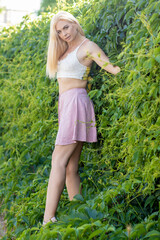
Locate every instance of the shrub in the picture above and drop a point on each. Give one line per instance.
(120, 173)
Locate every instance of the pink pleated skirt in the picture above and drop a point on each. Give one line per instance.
(76, 117)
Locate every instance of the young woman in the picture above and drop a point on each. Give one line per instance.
(70, 56)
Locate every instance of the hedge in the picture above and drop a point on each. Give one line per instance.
(120, 173)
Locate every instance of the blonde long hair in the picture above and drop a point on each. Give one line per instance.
(57, 46)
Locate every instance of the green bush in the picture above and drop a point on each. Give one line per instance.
(120, 174)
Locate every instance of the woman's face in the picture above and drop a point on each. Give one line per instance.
(66, 30)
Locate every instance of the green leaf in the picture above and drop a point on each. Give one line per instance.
(153, 233)
(92, 93)
(92, 213)
(149, 225)
(149, 200)
(157, 58)
(78, 197)
(68, 231)
(84, 227)
(153, 215)
(111, 229)
(129, 15)
(96, 233)
(154, 16)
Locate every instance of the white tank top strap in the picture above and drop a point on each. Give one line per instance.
(81, 44)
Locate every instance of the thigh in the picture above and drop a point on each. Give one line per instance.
(62, 153)
(74, 158)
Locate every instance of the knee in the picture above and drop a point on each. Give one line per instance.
(58, 161)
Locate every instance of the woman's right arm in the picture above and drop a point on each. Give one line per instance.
(95, 53)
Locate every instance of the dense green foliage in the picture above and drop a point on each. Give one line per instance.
(46, 4)
(120, 174)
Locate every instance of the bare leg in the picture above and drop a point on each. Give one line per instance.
(72, 176)
(60, 157)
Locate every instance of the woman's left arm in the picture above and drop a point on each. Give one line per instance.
(96, 54)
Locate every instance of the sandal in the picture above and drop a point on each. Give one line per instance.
(53, 219)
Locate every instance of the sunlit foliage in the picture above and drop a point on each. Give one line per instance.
(120, 174)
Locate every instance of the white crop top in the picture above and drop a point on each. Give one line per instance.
(70, 67)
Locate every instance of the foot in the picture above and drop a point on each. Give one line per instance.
(53, 219)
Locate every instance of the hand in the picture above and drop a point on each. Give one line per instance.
(116, 70)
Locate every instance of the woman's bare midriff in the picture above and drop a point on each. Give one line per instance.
(68, 83)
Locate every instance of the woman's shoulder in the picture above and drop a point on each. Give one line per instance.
(90, 45)
(89, 42)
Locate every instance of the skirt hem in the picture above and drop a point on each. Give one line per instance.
(74, 141)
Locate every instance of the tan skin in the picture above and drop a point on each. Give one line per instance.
(65, 158)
